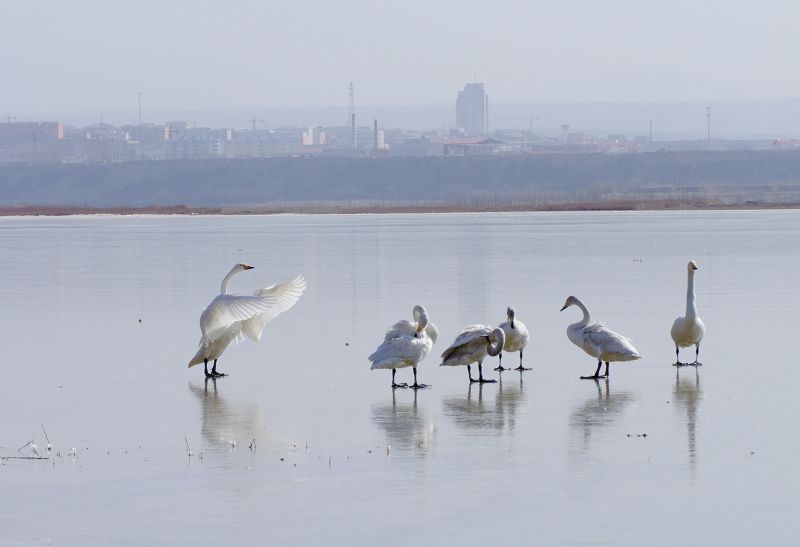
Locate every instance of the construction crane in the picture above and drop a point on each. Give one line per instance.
(252, 120)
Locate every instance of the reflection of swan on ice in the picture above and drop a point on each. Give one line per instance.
(476, 413)
(510, 394)
(406, 426)
(688, 394)
(224, 422)
(600, 411)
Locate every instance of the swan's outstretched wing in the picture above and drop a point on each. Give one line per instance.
(226, 310)
(469, 334)
(278, 298)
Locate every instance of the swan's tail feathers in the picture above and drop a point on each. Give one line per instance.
(198, 358)
(280, 299)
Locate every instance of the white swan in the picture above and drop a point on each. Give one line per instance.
(406, 344)
(229, 317)
(516, 338)
(598, 341)
(688, 330)
(472, 346)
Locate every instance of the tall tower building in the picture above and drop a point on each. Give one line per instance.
(472, 107)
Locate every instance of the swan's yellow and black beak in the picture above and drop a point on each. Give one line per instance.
(564, 307)
(246, 267)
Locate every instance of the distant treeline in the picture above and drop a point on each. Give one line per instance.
(535, 179)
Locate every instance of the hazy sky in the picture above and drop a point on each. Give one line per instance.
(58, 55)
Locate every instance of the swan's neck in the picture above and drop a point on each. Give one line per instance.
(223, 289)
(586, 318)
(691, 309)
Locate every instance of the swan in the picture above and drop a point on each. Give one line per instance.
(516, 338)
(229, 317)
(472, 346)
(688, 330)
(598, 341)
(406, 344)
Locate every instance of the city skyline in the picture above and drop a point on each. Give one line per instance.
(672, 120)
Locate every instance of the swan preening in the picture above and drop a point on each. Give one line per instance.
(406, 344)
(472, 346)
(229, 317)
(689, 329)
(598, 341)
(516, 338)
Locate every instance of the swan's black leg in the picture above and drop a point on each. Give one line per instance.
(214, 372)
(481, 379)
(606, 374)
(677, 362)
(469, 373)
(205, 365)
(520, 367)
(416, 385)
(500, 366)
(596, 373)
(697, 356)
(394, 371)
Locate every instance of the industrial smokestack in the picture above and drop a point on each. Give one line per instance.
(375, 134)
(353, 129)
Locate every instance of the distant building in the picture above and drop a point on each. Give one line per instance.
(469, 147)
(147, 133)
(472, 110)
(14, 134)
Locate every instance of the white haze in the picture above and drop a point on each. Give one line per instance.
(94, 55)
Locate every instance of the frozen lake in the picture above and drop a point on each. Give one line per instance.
(100, 316)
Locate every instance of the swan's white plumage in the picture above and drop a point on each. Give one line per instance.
(598, 340)
(228, 318)
(402, 351)
(406, 343)
(472, 345)
(516, 333)
(283, 297)
(688, 330)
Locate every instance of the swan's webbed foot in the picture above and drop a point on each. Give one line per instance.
(679, 364)
(481, 381)
(521, 368)
(501, 368)
(395, 386)
(419, 386)
(213, 373)
(597, 374)
(695, 364)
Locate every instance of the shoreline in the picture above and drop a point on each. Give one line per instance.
(389, 208)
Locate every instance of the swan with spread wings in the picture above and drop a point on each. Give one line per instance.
(231, 317)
